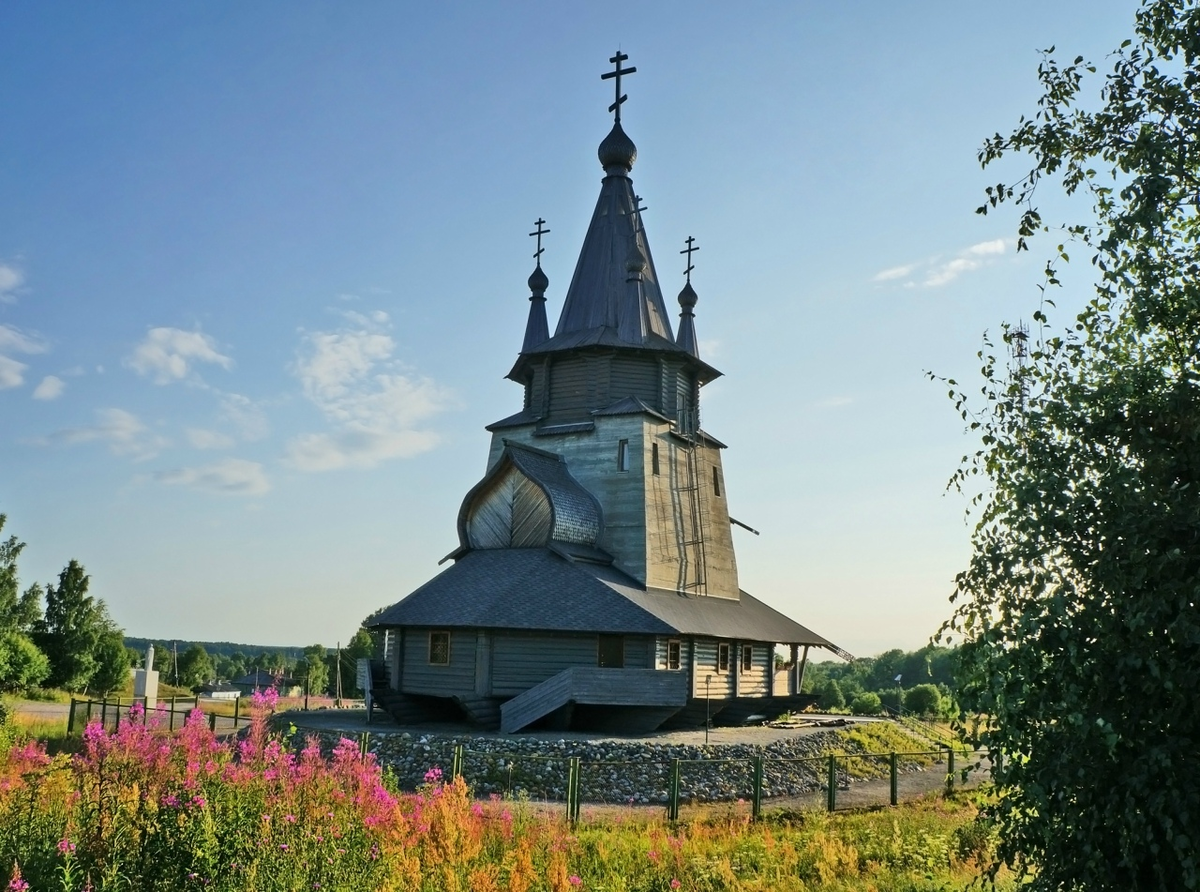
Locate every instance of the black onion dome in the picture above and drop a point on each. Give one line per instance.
(538, 283)
(617, 149)
(687, 297)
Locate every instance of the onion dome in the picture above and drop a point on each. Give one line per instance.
(635, 263)
(617, 150)
(687, 322)
(538, 282)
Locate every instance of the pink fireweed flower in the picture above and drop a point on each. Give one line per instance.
(653, 856)
(675, 884)
(66, 847)
(433, 775)
(574, 880)
(16, 884)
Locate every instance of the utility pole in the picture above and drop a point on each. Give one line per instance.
(338, 701)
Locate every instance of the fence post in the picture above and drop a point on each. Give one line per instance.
(236, 703)
(950, 769)
(756, 798)
(171, 719)
(832, 792)
(456, 766)
(117, 723)
(103, 712)
(573, 768)
(89, 712)
(673, 792)
(71, 718)
(212, 722)
(895, 780)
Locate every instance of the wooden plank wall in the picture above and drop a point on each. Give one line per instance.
(512, 512)
(522, 660)
(706, 664)
(419, 677)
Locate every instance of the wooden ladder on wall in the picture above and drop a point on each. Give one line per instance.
(693, 545)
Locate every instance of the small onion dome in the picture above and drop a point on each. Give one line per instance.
(687, 297)
(635, 263)
(617, 149)
(538, 283)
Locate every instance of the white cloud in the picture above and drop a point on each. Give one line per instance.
(11, 373)
(895, 272)
(13, 340)
(355, 448)
(245, 414)
(168, 354)
(233, 476)
(10, 281)
(206, 439)
(709, 349)
(949, 271)
(935, 271)
(51, 388)
(121, 431)
(375, 407)
(995, 246)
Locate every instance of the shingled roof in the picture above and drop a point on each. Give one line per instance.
(535, 589)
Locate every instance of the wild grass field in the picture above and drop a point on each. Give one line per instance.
(138, 808)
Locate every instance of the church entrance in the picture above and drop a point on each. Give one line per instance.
(611, 652)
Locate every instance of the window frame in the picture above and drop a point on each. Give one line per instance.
(716, 481)
(654, 464)
(622, 455)
(674, 649)
(722, 657)
(747, 661)
(439, 633)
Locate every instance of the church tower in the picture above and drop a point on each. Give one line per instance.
(616, 394)
(594, 584)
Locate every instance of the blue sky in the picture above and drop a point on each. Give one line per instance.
(262, 269)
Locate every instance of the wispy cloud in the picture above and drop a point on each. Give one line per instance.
(170, 354)
(895, 272)
(13, 340)
(231, 476)
(373, 405)
(938, 271)
(10, 280)
(121, 431)
(200, 438)
(51, 388)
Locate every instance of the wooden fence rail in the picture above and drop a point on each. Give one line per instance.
(173, 710)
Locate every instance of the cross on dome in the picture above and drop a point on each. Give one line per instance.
(616, 73)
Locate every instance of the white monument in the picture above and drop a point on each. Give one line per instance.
(145, 681)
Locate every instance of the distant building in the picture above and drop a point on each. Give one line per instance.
(595, 582)
(220, 691)
(261, 680)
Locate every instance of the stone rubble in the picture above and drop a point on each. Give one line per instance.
(612, 771)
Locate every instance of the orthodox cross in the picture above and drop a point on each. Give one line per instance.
(689, 250)
(617, 72)
(539, 233)
(637, 206)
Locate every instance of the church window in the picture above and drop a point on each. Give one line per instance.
(722, 657)
(654, 458)
(747, 658)
(716, 481)
(672, 654)
(623, 455)
(439, 648)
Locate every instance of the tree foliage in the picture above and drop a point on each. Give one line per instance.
(196, 667)
(1078, 608)
(73, 630)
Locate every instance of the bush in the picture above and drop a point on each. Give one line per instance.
(831, 696)
(892, 700)
(866, 704)
(923, 699)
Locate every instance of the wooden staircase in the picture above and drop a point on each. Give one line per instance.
(634, 697)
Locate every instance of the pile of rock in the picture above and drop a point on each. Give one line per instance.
(613, 771)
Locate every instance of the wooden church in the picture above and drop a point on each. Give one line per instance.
(595, 583)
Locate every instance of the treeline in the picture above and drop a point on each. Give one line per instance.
(315, 668)
(919, 681)
(56, 636)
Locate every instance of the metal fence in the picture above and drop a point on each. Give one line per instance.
(171, 711)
